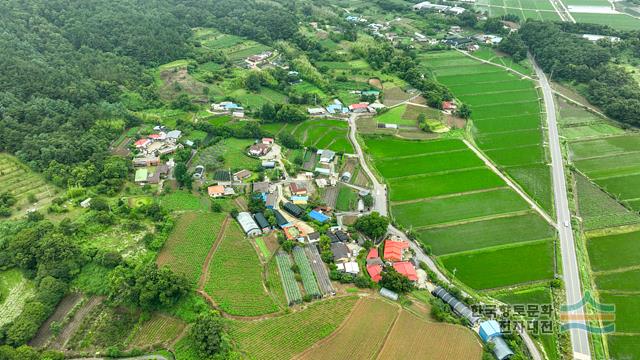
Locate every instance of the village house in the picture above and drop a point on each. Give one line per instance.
(406, 269)
(259, 149)
(341, 252)
(449, 106)
(242, 174)
(297, 189)
(317, 111)
(326, 156)
(254, 61)
(362, 107)
(215, 191)
(336, 107)
(394, 250)
(267, 141)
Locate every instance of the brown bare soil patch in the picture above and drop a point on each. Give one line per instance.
(376, 83)
(361, 336)
(414, 338)
(395, 95)
(178, 80)
(63, 308)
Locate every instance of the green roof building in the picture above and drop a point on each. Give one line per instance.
(141, 175)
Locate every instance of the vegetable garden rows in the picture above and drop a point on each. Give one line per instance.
(308, 279)
(288, 279)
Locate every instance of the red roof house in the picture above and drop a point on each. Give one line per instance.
(373, 253)
(267, 141)
(393, 250)
(375, 271)
(359, 106)
(297, 189)
(155, 136)
(406, 268)
(142, 143)
(448, 105)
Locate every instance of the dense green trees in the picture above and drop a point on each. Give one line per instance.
(210, 335)
(394, 281)
(373, 225)
(568, 57)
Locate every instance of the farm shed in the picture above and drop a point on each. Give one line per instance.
(340, 251)
(501, 350)
(350, 267)
(262, 222)
(489, 329)
(248, 225)
(141, 175)
(326, 156)
(293, 209)
(388, 294)
(458, 307)
(318, 216)
(268, 164)
(280, 219)
(313, 237)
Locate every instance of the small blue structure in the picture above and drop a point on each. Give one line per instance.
(370, 92)
(318, 216)
(232, 106)
(489, 329)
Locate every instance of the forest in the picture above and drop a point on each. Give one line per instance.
(591, 66)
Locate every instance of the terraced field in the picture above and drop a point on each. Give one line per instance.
(615, 261)
(17, 179)
(507, 125)
(463, 211)
(15, 291)
(235, 277)
(321, 134)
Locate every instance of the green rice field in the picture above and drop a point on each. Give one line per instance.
(446, 196)
(611, 252)
(499, 267)
(506, 110)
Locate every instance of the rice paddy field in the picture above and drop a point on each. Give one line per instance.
(612, 163)
(186, 248)
(506, 115)
(614, 256)
(235, 277)
(524, 9)
(321, 134)
(466, 214)
(17, 179)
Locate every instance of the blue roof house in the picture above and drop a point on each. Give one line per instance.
(315, 215)
(489, 329)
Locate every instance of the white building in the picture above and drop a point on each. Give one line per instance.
(248, 225)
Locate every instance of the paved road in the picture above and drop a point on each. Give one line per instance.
(379, 192)
(579, 338)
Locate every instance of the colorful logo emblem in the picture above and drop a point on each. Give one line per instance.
(590, 315)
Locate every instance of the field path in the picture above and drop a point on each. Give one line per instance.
(511, 184)
(204, 273)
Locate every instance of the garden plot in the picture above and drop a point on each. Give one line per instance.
(159, 330)
(319, 270)
(15, 290)
(285, 336)
(324, 134)
(29, 188)
(235, 277)
(188, 245)
(288, 277)
(308, 279)
(604, 147)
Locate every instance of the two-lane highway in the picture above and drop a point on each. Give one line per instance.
(573, 288)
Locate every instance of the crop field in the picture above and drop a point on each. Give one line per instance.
(285, 336)
(598, 209)
(159, 330)
(502, 266)
(414, 338)
(17, 179)
(624, 346)
(461, 209)
(395, 116)
(322, 134)
(227, 154)
(183, 201)
(619, 281)
(308, 279)
(15, 290)
(605, 146)
(362, 336)
(186, 248)
(347, 199)
(289, 282)
(485, 234)
(235, 277)
(506, 116)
